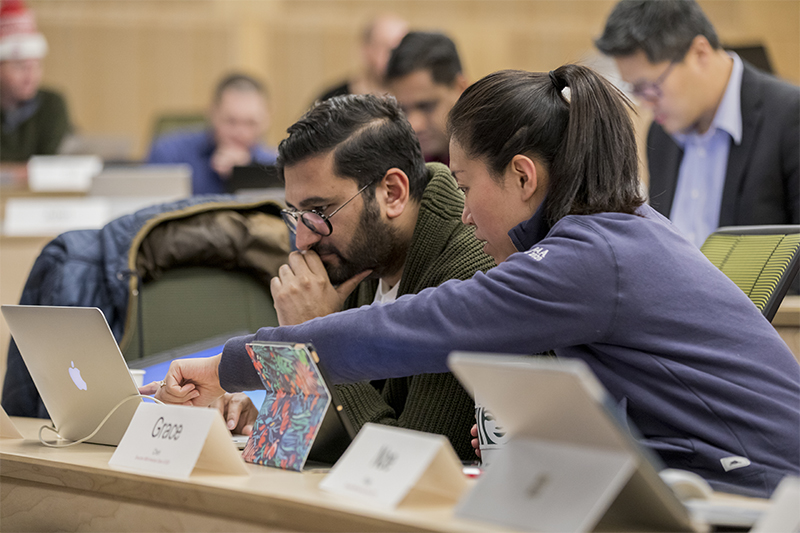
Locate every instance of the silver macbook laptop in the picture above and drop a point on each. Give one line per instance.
(77, 367)
(160, 181)
(547, 404)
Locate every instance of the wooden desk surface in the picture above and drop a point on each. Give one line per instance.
(74, 489)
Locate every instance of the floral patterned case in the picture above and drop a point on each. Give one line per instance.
(295, 405)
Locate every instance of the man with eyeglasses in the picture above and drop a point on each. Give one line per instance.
(372, 222)
(723, 146)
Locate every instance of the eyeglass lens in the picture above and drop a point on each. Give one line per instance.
(310, 219)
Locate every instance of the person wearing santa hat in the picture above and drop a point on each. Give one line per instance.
(34, 121)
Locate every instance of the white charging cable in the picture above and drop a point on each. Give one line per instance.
(54, 444)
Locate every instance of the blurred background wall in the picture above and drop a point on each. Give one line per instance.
(120, 63)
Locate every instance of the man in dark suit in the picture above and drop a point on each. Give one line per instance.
(723, 146)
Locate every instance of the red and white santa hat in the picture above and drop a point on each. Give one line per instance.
(18, 36)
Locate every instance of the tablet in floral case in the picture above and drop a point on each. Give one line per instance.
(295, 405)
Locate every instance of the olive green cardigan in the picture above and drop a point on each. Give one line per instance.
(442, 248)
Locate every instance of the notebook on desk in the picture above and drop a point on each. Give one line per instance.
(77, 367)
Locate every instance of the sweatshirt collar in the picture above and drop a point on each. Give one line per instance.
(531, 231)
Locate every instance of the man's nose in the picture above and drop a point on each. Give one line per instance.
(305, 238)
(417, 121)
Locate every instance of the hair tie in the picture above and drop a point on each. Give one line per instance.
(558, 85)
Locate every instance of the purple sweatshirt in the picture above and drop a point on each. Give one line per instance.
(688, 357)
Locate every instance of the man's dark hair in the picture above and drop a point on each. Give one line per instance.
(586, 144)
(663, 29)
(434, 52)
(239, 82)
(368, 135)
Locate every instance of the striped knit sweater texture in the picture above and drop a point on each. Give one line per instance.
(442, 248)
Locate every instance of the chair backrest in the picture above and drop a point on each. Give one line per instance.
(762, 261)
(190, 304)
(169, 122)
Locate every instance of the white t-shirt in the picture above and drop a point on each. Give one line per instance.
(384, 294)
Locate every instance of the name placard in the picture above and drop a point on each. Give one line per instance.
(174, 440)
(7, 428)
(386, 466)
(52, 216)
(49, 173)
(783, 513)
(547, 486)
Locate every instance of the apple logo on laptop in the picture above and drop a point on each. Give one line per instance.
(75, 374)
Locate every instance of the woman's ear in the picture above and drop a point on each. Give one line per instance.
(394, 192)
(525, 175)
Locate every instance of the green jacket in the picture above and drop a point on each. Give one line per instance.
(41, 134)
(442, 248)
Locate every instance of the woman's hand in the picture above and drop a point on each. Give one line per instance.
(191, 382)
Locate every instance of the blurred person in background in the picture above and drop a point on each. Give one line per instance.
(425, 75)
(34, 120)
(378, 39)
(239, 117)
(724, 145)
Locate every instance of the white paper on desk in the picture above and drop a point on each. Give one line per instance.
(7, 428)
(174, 440)
(52, 173)
(386, 464)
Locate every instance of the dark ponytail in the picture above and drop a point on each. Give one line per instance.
(584, 138)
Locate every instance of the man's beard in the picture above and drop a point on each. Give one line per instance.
(374, 246)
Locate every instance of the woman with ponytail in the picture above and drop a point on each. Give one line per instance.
(548, 166)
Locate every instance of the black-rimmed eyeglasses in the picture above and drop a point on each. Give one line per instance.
(651, 91)
(314, 220)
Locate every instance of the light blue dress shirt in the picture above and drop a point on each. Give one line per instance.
(701, 178)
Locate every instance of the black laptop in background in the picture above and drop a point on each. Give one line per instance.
(253, 179)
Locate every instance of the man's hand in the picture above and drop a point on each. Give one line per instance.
(475, 444)
(302, 290)
(191, 382)
(226, 157)
(238, 411)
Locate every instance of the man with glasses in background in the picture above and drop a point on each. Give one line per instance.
(372, 222)
(723, 146)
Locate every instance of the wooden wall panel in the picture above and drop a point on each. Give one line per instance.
(122, 62)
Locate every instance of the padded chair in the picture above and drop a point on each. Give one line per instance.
(168, 123)
(190, 304)
(762, 261)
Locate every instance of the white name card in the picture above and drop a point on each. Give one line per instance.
(541, 486)
(386, 466)
(53, 216)
(174, 440)
(50, 173)
(7, 428)
(784, 513)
